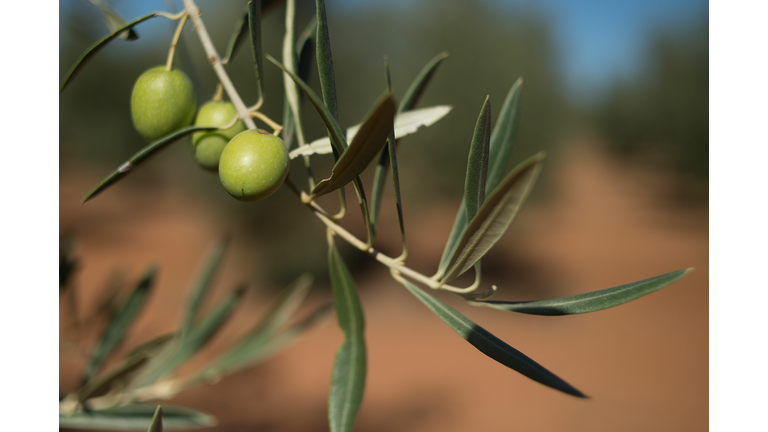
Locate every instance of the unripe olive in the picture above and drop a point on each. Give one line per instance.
(162, 102)
(253, 165)
(209, 145)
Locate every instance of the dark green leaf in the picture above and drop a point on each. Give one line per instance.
(367, 143)
(417, 87)
(153, 346)
(348, 380)
(114, 21)
(325, 61)
(503, 137)
(254, 23)
(90, 52)
(502, 140)
(136, 417)
(489, 344)
(477, 165)
(591, 301)
(325, 115)
(103, 384)
(120, 324)
(495, 217)
(237, 38)
(142, 155)
(157, 421)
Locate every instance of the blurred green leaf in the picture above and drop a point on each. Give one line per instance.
(95, 48)
(122, 372)
(348, 380)
(203, 285)
(325, 115)
(141, 156)
(591, 301)
(245, 351)
(157, 421)
(406, 123)
(152, 346)
(136, 417)
(489, 344)
(367, 143)
(477, 165)
(495, 217)
(114, 21)
(502, 140)
(120, 323)
(237, 38)
(254, 24)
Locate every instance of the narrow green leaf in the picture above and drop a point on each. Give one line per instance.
(203, 285)
(136, 417)
(494, 217)
(325, 115)
(591, 301)
(152, 346)
(277, 315)
(420, 83)
(120, 324)
(489, 344)
(141, 156)
(503, 137)
(114, 21)
(502, 140)
(254, 24)
(477, 165)
(348, 380)
(367, 143)
(157, 421)
(325, 61)
(122, 372)
(406, 123)
(304, 53)
(237, 38)
(95, 48)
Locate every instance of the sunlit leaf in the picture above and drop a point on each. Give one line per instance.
(477, 165)
(95, 48)
(406, 123)
(141, 156)
(367, 143)
(114, 21)
(502, 140)
(136, 418)
(120, 323)
(348, 379)
(489, 344)
(591, 301)
(157, 421)
(494, 217)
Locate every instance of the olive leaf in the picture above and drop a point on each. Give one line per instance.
(237, 37)
(591, 301)
(103, 384)
(304, 53)
(254, 25)
(406, 123)
(489, 344)
(136, 417)
(477, 165)
(494, 217)
(201, 288)
(142, 156)
(500, 150)
(157, 421)
(367, 143)
(348, 379)
(113, 20)
(122, 319)
(95, 48)
(325, 66)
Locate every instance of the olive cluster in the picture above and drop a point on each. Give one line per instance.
(252, 164)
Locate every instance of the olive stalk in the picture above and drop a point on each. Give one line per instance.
(175, 41)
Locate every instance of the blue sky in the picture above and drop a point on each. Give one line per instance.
(598, 41)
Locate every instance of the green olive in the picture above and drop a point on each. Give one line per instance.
(209, 145)
(253, 165)
(162, 102)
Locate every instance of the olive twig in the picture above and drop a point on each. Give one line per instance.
(175, 41)
(271, 123)
(218, 93)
